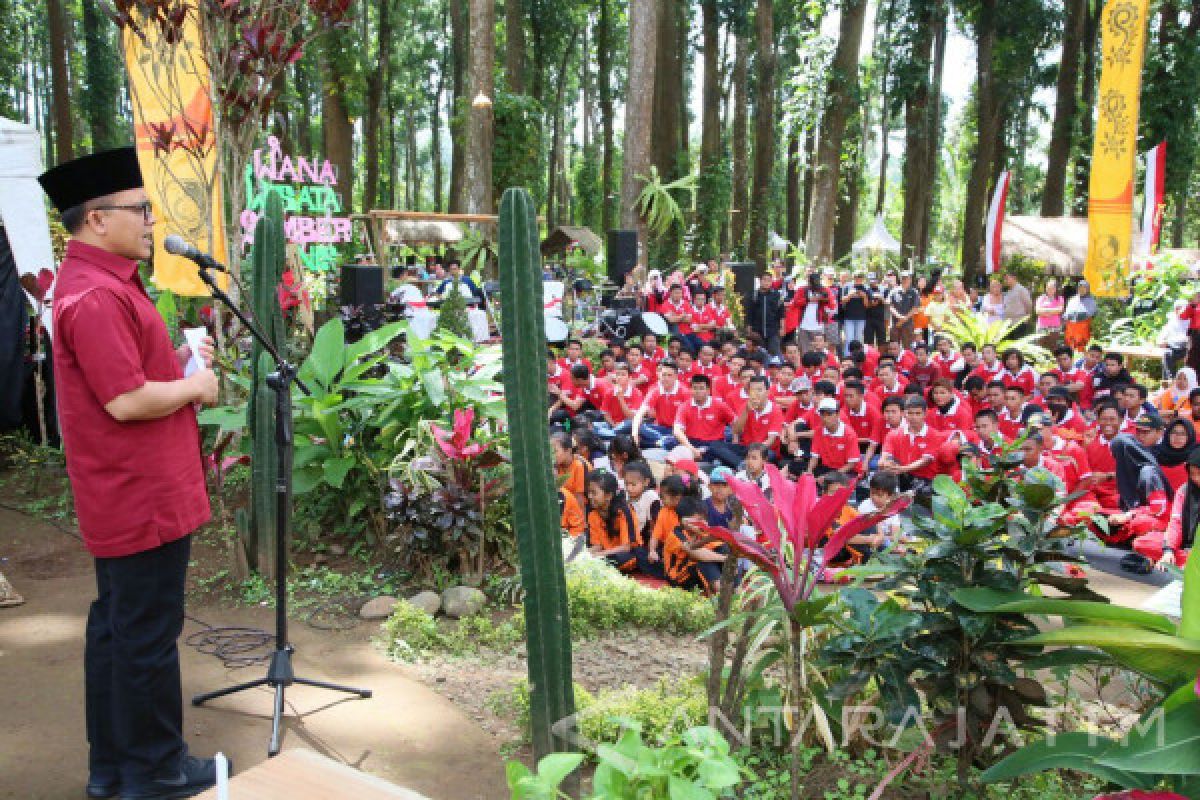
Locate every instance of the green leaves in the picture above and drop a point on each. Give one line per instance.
(1165, 659)
(990, 600)
(328, 355)
(656, 203)
(1078, 751)
(694, 766)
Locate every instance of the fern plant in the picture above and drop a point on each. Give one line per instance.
(656, 203)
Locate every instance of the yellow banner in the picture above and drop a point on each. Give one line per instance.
(172, 112)
(1114, 153)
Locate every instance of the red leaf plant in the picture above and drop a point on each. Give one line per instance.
(787, 544)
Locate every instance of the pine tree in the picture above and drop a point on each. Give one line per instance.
(452, 316)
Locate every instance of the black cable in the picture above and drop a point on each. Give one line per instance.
(235, 646)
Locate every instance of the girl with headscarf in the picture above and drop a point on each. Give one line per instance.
(1173, 546)
(1173, 401)
(1173, 452)
(1077, 317)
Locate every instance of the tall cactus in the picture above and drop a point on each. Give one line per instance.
(535, 507)
(268, 259)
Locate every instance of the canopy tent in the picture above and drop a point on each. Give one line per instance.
(420, 232)
(776, 243)
(878, 239)
(22, 204)
(565, 236)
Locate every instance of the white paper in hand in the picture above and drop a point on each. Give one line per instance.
(194, 338)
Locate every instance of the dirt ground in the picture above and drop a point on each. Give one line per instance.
(406, 733)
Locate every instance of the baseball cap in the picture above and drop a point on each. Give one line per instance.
(720, 475)
(1151, 422)
(827, 404)
(774, 361)
(684, 465)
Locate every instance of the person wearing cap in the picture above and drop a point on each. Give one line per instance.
(835, 443)
(1172, 547)
(132, 445)
(718, 508)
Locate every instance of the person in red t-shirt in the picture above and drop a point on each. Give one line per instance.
(128, 421)
(1098, 446)
(1068, 421)
(989, 367)
(865, 419)
(625, 399)
(1017, 373)
(947, 411)
(642, 371)
(590, 392)
(948, 362)
(735, 394)
(651, 350)
(887, 382)
(707, 364)
(1191, 314)
(661, 404)
(1015, 412)
(574, 356)
(913, 453)
(835, 442)
(1075, 380)
(924, 372)
(703, 421)
(758, 421)
(677, 311)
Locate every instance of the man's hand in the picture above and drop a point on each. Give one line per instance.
(207, 351)
(652, 556)
(1167, 560)
(204, 383)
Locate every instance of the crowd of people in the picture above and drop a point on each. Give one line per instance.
(855, 379)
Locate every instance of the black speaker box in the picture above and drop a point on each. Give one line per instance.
(622, 255)
(362, 285)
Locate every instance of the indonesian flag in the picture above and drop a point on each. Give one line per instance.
(1152, 214)
(995, 224)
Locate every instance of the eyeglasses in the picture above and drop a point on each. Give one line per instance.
(146, 209)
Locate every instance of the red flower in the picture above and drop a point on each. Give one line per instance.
(790, 530)
(458, 446)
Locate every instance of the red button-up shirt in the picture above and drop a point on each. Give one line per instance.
(137, 485)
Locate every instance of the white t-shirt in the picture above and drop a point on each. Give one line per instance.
(891, 528)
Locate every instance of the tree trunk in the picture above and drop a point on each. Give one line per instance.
(639, 109)
(1059, 153)
(1087, 102)
(604, 45)
(304, 121)
(377, 79)
(459, 40)
(885, 109)
(840, 99)
(336, 125)
(669, 114)
(477, 164)
(59, 27)
(103, 79)
(846, 228)
(514, 46)
(708, 228)
(793, 205)
(916, 164)
(810, 158)
(764, 132)
(435, 147)
(741, 144)
(933, 144)
(553, 207)
(987, 125)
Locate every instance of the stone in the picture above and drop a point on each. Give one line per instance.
(429, 602)
(336, 549)
(462, 601)
(379, 607)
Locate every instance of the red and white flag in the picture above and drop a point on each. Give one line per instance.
(1152, 214)
(995, 224)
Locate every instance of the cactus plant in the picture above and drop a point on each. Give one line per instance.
(267, 264)
(535, 506)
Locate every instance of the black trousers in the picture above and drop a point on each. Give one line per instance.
(131, 665)
(875, 332)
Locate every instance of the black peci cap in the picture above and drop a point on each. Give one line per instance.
(75, 182)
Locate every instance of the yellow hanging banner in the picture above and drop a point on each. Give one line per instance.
(1114, 153)
(176, 142)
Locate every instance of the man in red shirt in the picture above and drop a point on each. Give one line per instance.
(642, 371)
(835, 443)
(1074, 379)
(651, 350)
(923, 372)
(589, 391)
(661, 403)
(865, 419)
(702, 422)
(128, 418)
(990, 367)
(1068, 421)
(624, 401)
(1100, 457)
(948, 362)
(759, 421)
(887, 382)
(913, 453)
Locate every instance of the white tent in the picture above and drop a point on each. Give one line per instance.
(22, 203)
(776, 243)
(878, 239)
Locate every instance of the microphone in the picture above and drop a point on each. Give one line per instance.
(177, 245)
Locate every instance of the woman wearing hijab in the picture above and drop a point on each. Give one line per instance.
(1173, 401)
(1173, 452)
(1077, 317)
(1173, 546)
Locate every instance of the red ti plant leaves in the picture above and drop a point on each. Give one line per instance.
(786, 542)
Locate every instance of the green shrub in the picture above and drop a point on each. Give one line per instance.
(411, 633)
(664, 710)
(602, 599)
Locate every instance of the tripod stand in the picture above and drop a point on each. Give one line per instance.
(280, 674)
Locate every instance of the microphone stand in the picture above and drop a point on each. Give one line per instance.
(280, 674)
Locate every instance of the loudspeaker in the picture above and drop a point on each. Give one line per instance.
(622, 255)
(745, 278)
(362, 285)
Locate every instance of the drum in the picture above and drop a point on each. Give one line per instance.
(557, 331)
(655, 323)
